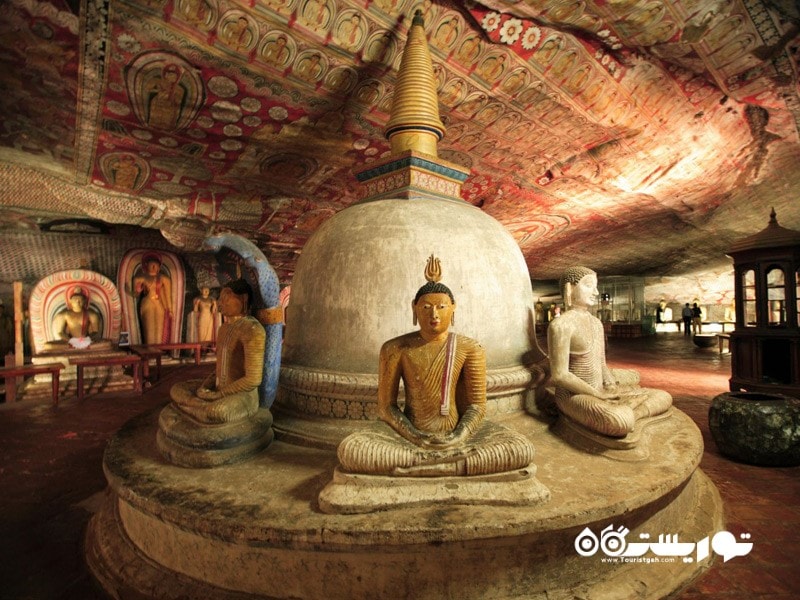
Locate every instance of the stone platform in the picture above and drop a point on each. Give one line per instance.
(255, 529)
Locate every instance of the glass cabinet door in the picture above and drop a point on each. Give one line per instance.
(749, 293)
(776, 297)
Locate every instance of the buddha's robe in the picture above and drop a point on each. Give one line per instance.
(614, 418)
(240, 366)
(445, 386)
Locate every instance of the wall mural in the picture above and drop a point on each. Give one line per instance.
(227, 115)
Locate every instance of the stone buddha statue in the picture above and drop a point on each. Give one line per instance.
(218, 420)
(439, 430)
(77, 325)
(601, 400)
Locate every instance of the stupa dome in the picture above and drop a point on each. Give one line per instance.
(359, 272)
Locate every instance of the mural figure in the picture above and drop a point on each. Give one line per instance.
(493, 68)
(378, 49)
(514, 82)
(316, 14)
(446, 34)
(350, 32)
(204, 310)
(547, 51)
(309, 67)
(276, 52)
(469, 49)
(125, 172)
(441, 428)
(590, 394)
(237, 33)
(197, 12)
(165, 98)
(153, 289)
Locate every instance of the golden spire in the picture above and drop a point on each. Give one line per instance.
(415, 123)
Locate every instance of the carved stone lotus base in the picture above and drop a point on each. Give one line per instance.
(632, 447)
(351, 493)
(254, 529)
(187, 443)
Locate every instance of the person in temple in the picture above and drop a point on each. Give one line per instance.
(440, 430)
(587, 391)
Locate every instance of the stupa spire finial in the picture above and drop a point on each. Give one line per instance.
(415, 123)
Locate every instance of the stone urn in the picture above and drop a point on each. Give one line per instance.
(704, 340)
(757, 428)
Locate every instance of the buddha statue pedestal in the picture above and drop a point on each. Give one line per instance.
(187, 443)
(254, 529)
(437, 479)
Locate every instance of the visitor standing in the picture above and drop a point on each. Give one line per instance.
(687, 314)
(697, 319)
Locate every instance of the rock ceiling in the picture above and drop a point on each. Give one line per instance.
(633, 136)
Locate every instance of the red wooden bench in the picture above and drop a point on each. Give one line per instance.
(195, 346)
(105, 361)
(53, 368)
(148, 353)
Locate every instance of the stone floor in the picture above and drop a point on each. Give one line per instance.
(51, 481)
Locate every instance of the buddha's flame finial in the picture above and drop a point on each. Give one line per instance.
(415, 122)
(433, 269)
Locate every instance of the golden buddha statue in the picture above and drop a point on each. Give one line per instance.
(603, 401)
(78, 325)
(440, 430)
(240, 365)
(218, 420)
(154, 290)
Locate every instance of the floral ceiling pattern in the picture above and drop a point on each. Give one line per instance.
(633, 136)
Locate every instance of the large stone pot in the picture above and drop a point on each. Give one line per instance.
(757, 428)
(704, 340)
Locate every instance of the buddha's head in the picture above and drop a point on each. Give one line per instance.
(77, 299)
(434, 304)
(204, 292)
(578, 287)
(151, 263)
(235, 298)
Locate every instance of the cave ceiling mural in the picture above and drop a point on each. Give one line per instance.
(633, 136)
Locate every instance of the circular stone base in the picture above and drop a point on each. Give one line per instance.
(254, 529)
(757, 428)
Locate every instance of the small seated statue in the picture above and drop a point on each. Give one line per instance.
(77, 325)
(587, 392)
(440, 430)
(218, 420)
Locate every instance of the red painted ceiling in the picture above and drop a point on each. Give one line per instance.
(632, 136)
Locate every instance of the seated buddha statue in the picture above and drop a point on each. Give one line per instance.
(603, 401)
(218, 420)
(77, 325)
(440, 429)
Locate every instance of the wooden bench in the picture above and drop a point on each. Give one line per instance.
(106, 361)
(148, 353)
(53, 368)
(195, 346)
(723, 339)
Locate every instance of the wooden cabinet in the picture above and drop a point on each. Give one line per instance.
(765, 346)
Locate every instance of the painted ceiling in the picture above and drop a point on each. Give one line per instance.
(632, 136)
